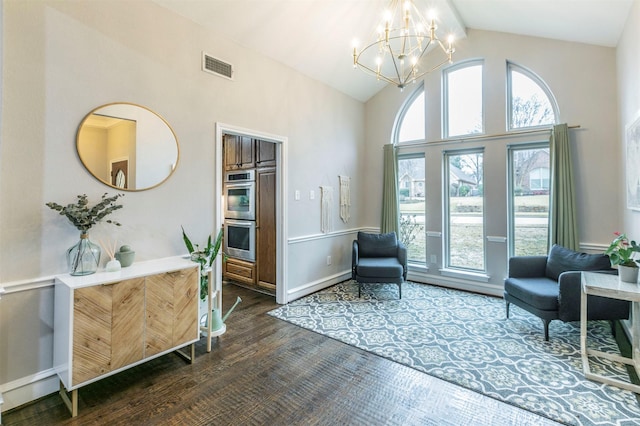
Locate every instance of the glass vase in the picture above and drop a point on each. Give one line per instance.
(83, 257)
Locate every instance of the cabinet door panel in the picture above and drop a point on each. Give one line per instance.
(231, 153)
(266, 230)
(247, 157)
(127, 338)
(185, 294)
(159, 312)
(91, 333)
(265, 154)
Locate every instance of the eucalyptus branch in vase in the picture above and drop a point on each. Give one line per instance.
(84, 257)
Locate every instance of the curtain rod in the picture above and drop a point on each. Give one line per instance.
(480, 137)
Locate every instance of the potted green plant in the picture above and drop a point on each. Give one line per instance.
(620, 253)
(205, 257)
(84, 256)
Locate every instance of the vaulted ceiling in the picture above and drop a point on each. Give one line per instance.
(315, 36)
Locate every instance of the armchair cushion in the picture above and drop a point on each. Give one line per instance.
(380, 267)
(377, 245)
(540, 292)
(562, 259)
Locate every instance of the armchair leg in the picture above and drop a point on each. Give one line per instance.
(507, 307)
(399, 291)
(359, 289)
(546, 329)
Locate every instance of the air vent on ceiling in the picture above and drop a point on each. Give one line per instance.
(216, 66)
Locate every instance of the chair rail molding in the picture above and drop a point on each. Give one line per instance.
(332, 234)
(26, 285)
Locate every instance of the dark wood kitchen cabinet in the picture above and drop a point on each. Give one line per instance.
(266, 229)
(239, 152)
(265, 154)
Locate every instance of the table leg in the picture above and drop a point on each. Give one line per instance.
(635, 334)
(583, 332)
(72, 404)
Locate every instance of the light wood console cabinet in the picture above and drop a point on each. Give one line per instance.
(110, 321)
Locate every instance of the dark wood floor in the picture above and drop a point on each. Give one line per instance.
(265, 371)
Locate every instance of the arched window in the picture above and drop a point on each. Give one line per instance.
(530, 102)
(410, 124)
(462, 99)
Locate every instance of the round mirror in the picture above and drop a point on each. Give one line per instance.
(127, 146)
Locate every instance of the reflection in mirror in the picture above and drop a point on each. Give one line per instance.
(127, 146)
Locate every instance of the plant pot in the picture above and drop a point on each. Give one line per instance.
(628, 274)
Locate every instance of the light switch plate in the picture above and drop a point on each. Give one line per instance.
(312, 194)
(296, 195)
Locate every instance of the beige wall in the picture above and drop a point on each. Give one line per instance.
(628, 61)
(84, 54)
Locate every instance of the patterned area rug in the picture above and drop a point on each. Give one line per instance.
(465, 339)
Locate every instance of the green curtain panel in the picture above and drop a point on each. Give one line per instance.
(563, 228)
(390, 208)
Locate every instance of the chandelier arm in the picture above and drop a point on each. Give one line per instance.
(395, 66)
(413, 66)
(374, 72)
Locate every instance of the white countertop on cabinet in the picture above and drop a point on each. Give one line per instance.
(137, 269)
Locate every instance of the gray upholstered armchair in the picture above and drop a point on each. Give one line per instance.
(549, 287)
(378, 258)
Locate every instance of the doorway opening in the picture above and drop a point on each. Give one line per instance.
(247, 158)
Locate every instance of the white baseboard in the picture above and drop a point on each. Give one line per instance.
(27, 389)
(314, 286)
(456, 283)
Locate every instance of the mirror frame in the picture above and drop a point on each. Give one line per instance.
(93, 111)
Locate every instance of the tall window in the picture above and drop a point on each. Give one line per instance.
(465, 210)
(411, 125)
(529, 200)
(462, 100)
(411, 175)
(530, 102)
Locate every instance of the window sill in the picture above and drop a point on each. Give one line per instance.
(467, 275)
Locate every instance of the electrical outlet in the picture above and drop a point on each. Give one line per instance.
(434, 259)
(328, 260)
(296, 195)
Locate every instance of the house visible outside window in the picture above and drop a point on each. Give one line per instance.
(529, 199)
(464, 216)
(539, 179)
(462, 100)
(530, 102)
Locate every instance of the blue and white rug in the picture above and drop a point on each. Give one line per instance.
(464, 338)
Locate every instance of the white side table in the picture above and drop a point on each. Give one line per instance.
(610, 286)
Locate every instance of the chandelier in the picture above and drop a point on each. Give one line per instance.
(406, 46)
